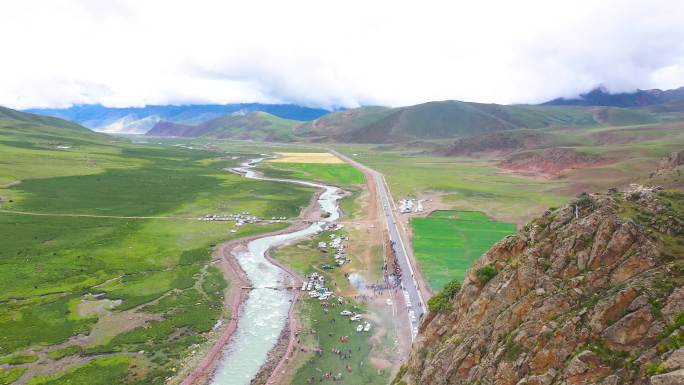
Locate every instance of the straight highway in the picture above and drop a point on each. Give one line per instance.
(415, 304)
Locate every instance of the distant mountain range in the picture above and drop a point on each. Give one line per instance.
(375, 124)
(600, 96)
(255, 125)
(140, 120)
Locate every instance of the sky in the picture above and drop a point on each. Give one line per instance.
(326, 53)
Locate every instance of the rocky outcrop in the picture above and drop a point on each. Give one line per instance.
(669, 163)
(590, 293)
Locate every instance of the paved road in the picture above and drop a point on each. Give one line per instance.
(414, 299)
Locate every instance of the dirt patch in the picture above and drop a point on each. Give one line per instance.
(117, 323)
(496, 143)
(100, 307)
(551, 162)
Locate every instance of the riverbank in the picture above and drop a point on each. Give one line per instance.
(226, 258)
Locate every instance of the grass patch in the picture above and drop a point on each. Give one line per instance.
(65, 352)
(18, 359)
(100, 371)
(8, 376)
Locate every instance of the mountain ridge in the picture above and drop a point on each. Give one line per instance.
(256, 125)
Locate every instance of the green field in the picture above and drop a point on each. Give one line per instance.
(446, 243)
(158, 292)
(339, 174)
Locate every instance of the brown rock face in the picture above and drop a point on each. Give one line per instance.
(591, 293)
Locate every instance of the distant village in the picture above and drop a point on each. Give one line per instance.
(240, 219)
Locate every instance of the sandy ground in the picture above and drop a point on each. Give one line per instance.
(306, 157)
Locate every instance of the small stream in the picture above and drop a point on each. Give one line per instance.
(264, 315)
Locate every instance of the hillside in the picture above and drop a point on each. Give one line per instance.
(250, 126)
(451, 119)
(8, 114)
(141, 119)
(590, 293)
(21, 129)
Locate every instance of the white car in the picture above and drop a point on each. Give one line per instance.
(359, 328)
(345, 313)
(356, 317)
(367, 327)
(389, 302)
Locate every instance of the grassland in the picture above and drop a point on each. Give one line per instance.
(467, 183)
(158, 294)
(446, 243)
(461, 183)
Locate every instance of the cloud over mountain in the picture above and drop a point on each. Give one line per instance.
(132, 53)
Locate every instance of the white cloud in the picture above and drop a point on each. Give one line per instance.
(324, 53)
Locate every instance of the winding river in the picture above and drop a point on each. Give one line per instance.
(264, 314)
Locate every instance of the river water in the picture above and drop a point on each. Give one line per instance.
(264, 315)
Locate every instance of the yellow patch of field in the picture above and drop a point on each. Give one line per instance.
(306, 157)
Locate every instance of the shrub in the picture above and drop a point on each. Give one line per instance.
(584, 200)
(486, 273)
(442, 300)
(656, 368)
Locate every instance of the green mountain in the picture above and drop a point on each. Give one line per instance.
(23, 129)
(9, 115)
(450, 119)
(250, 126)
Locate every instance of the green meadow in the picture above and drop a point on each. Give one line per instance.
(446, 243)
(98, 233)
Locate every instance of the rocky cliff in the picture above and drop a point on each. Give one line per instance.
(590, 293)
